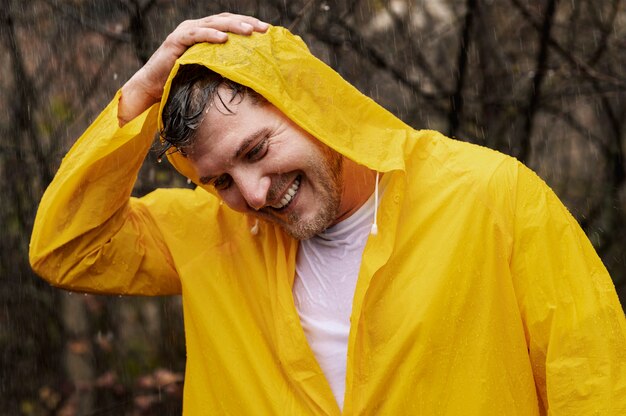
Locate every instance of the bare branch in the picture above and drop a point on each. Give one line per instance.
(402, 26)
(606, 31)
(87, 23)
(535, 90)
(362, 46)
(456, 98)
(574, 61)
(305, 11)
(25, 103)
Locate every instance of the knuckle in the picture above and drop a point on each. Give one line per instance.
(169, 41)
(182, 26)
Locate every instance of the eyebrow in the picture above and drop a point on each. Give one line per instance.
(242, 148)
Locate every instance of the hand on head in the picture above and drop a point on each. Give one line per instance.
(145, 87)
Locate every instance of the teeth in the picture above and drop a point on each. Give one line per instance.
(291, 192)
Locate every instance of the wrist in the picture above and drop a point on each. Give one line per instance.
(134, 100)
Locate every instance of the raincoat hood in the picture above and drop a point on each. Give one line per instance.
(279, 66)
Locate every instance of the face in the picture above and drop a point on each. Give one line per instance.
(261, 163)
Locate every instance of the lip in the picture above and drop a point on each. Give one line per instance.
(291, 203)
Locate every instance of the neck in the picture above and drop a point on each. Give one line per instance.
(358, 185)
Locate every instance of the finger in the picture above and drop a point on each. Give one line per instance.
(248, 19)
(256, 24)
(202, 34)
(234, 23)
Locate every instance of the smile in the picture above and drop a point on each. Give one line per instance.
(289, 195)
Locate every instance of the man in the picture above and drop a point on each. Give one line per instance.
(392, 271)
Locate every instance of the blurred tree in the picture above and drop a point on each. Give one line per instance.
(543, 80)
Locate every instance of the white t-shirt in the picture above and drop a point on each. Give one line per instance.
(327, 268)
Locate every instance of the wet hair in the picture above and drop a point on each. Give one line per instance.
(193, 88)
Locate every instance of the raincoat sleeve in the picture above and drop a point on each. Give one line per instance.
(89, 234)
(574, 324)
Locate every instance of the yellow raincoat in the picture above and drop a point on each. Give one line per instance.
(480, 295)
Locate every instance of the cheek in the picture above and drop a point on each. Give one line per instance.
(233, 198)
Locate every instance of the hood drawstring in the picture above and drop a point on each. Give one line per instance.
(255, 228)
(374, 230)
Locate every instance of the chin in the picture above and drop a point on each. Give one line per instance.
(303, 224)
(302, 233)
(297, 227)
(303, 229)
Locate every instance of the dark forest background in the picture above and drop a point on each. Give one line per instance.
(542, 80)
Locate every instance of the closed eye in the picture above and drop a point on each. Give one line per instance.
(222, 182)
(258, 151)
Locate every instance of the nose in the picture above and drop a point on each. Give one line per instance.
(253, 188)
